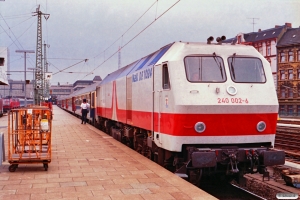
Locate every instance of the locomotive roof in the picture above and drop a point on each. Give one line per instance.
(153, 58)
(144, 62)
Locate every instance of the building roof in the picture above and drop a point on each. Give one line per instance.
(97, 78)
(264, 35)
(291, 37)
(261, 34)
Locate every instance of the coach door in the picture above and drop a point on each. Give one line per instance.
(129, 100)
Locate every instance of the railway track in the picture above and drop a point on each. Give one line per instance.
(288, 139)
(289, 121)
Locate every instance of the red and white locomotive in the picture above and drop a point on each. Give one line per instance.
(195, 107)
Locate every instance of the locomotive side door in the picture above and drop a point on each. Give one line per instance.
(157, 101)
(129, 100)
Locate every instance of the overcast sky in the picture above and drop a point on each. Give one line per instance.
(94, 29)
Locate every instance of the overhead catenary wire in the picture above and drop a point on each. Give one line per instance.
(17, 24)
(70, 66)
(11, 32)
(15, 16)
(13, 41)
(133, 38)
(127, 29)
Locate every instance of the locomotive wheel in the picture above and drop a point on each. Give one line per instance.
(195, 176)
(149, 154)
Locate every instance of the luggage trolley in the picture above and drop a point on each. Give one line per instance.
(29, 136)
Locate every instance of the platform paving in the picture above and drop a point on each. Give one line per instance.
(89, 164)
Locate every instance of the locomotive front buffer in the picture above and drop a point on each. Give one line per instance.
(234, 159)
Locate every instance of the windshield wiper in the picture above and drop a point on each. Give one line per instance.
(218, 63)
(231, 66)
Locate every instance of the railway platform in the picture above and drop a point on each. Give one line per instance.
(89, 164)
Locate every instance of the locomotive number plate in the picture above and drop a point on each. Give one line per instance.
(232, 100)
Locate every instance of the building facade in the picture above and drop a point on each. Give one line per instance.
(60, 91)
(288, 88)
(16, 88)
(4, 65)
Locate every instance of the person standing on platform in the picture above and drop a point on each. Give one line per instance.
(84, 111)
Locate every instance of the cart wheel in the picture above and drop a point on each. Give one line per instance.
(12, 168)
(46, 167)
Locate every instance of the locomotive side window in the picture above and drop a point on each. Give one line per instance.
(246, 70)
(1, 61)
(166, 80)
(204, 69)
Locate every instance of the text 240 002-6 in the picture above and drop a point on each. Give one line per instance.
(232, 100)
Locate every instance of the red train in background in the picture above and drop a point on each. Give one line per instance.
(10, 103)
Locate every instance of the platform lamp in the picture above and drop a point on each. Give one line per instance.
(25, 51)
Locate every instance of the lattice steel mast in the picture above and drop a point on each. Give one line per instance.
(39, 71)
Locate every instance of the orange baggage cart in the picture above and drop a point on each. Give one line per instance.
(29, 136)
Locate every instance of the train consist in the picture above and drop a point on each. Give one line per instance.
(194, 108)
(10, 103)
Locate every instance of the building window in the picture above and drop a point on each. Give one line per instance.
(290, 74)
(239, 39)
(282, 110)
(283, 93)
(282, 57)
(260, 50)
(268, 50)
(290, 109)
(282, 75)
(291, 56)
(298, 110)
(290, 90)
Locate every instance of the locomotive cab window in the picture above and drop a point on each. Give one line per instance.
(246, 70)
(166, 80)
(204, 69)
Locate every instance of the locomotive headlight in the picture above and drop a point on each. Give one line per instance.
(200, 127)
(261, 126)
(231, 90)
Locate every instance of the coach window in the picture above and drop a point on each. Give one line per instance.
(166, 80)
(204, 69)
(246, 70)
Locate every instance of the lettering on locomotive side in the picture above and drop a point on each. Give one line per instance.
(232, 100)
(139, 76)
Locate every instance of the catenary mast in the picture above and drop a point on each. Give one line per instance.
(39, 71)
